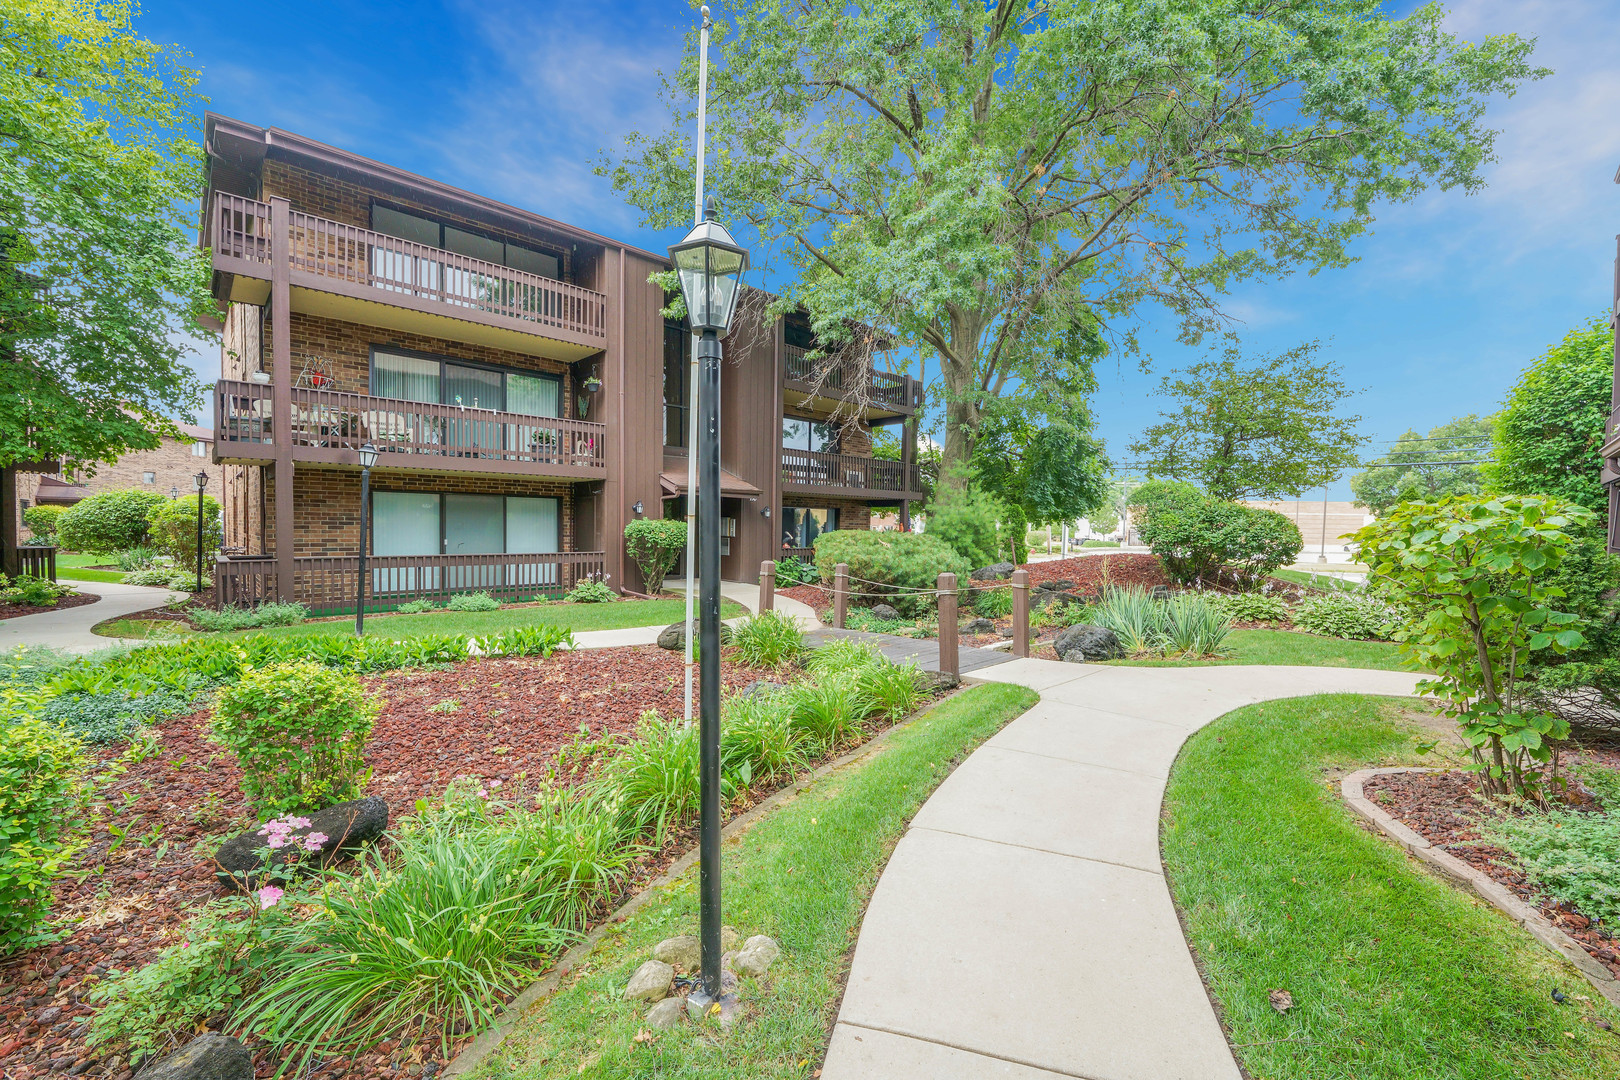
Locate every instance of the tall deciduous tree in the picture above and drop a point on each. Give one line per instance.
(98, 273)
(1425, 468)
(951, 172)
(1551, 425)
(1257, 430)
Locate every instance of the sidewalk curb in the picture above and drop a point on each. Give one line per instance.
(1481, 883)
(489, 1040)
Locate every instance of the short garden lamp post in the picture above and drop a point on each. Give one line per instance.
(710, 266)
(368, 458)
(201, 480)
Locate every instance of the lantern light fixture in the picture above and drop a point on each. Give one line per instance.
(711, 265)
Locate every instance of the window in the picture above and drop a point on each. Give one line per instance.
(677, 384)
(801, 525)
(448, 382)
(148, 477)
(199, 449)
(429, 233)
(415, 523)
(811, 436)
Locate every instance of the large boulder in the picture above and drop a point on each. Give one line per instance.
(673, 636)
(993, 572)
(1082, 642)
(979, 626)
(344, 827)
(885, 612)
(1055, 586)
(207, 1057)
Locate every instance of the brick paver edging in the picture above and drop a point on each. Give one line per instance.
(1481, 883)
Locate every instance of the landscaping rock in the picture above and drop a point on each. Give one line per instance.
(993, 572)
(666, 1014)
(979, 626)
(1082, 642)
(1055, 586)
(684, 952)
(651, 982)
(207, 1057)
(672, 637)
(346, 826)
(941, 680)
(885, 612)
(756, 956)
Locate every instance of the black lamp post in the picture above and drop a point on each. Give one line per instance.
(201, 480)
(368, 458)
(710, 265)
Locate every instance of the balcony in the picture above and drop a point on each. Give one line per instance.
(357, 275)
(329, 426)
(848, 476)
(886, 393)
(1610, 451)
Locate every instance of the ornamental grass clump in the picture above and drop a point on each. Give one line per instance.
(758, 740)
(652, 782)
(299, 734)
(1187, 625)
(769, 639)
(827, 711)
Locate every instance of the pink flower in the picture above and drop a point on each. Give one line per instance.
(279, 840)
(268, 897)
(314, 840)
(483, 794)
(494, 783)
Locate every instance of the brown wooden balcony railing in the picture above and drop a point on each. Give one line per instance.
(332, 421)
(884, 387)
(327, 585)
(240, 229)
(808, 469)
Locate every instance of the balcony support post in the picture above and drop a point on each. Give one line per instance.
(281, 390)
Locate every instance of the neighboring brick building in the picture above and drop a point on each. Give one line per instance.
(167, 470)
(526, 394)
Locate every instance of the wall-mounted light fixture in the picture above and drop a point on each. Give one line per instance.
(766, 510)
(636, 509)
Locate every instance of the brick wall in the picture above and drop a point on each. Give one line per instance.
(343, 199)
(851, 514)
(326, 504)
(172, 466)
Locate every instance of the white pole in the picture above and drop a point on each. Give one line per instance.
(692, 366)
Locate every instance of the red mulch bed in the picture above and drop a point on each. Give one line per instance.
(12, 611)
(511, 717)
(1445, 809)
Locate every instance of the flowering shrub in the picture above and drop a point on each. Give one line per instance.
(299, 733)
(1345, 615)
(591, 591)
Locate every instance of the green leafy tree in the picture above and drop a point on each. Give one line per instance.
(98, 261)
(1478, 578)
(108, 522)
(1419, 469)
(654, 544)
(1551, 425)
(1257, 430)
(173, 524)
(951, 174)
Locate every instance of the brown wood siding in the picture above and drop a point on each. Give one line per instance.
(639, 434)
(751, 433)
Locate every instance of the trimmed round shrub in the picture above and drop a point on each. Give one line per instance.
(41, 520)
(1345, 615)
(108, 522)
(900, 569)
(299, 733)
(1195, 536)
(654, 544)
(174, 529)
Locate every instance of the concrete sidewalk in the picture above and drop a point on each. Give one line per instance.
(1023, 927)
(68, 629)
(741, 592)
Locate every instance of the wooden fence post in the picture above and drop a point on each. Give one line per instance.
(1020, 627)
(949, 662)
(767, 585)
(840, 594)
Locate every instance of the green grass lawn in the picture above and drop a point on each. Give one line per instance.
(577, 617)
(801, 875)
(1291, 647)
(1322, 582)
(1395, 974)
(71, 567)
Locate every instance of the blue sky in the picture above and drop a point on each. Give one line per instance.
(1451, 298)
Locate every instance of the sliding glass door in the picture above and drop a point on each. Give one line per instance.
(533, 526)
(411, 523)
(405, 523)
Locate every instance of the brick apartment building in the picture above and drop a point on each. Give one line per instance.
(167, 470)
(516, 373)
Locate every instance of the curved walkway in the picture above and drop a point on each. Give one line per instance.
(68, 629)
(1023, 928)
(743, 593)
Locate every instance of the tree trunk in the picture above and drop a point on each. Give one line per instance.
(959, 370)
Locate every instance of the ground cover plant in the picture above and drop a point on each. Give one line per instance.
(1346, 615)
(802, 875)
(231, 618)
(508, 726)
(1394, 973)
